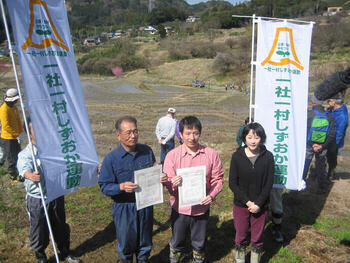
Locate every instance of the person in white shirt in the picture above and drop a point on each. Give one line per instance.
(165, 132)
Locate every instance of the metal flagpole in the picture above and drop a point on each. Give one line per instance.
(253, 62)
(275, 18)
(26, 125)
(252, 66)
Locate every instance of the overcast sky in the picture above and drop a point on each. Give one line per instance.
(191, 2)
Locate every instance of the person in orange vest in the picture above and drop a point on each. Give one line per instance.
(11, 128)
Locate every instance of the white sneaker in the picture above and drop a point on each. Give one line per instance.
(71, 259)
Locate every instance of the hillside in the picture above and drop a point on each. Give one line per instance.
(84, 13)
(110, 12)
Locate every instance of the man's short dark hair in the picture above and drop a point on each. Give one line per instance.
(125, 118)
(190, 122)
(257, 129)
(246, 121)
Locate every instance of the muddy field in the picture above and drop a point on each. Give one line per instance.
(221, 113)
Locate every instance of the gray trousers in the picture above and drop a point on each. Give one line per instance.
(320, 165)
(276, 206)
(198, 228)
(38, 229)
(11, 150)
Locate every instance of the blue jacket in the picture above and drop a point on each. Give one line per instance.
(341, 121)
(119, 166)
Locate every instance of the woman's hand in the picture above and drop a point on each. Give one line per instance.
(254, 208)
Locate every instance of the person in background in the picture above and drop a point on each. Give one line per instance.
(11, 128)
(165, 132)
(341, 122)
(178, 135)
(38, 229)
(276, 208)
(251, 179)
(240, 131)
(320, 133)
(193, 218)
(133, 227)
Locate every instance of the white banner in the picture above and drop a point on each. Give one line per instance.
(53, 95)
(281, 96)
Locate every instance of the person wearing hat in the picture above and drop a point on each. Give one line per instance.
(11, 128)
(341, 121)
(320, 133)
(165, 132)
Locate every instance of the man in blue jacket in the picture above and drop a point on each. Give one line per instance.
(341, 122)
(133, 227)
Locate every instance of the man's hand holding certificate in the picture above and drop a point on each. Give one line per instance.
(192, 187)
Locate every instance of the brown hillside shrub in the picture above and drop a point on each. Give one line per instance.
(320, 72)
(230, 42)
(226, 62)
(202, 50)
(100, 66)
(223, 62)
(177, 53)
(328, 37)
(103, 66)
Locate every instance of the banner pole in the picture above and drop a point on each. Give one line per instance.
(252, 64)
(277, 19)
(26, 125)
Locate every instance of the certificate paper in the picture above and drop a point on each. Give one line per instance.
(150, 191)
(193, 186)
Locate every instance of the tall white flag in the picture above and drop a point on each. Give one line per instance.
(281, 96)
(54, 96)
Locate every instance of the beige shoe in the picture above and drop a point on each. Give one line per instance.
(240, 255)
(255, 255)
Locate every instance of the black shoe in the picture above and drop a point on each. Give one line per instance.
(277, 236)
(13, 174)
(321, 191)
(14, 177)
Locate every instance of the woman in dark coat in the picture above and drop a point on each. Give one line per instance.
(251, 179)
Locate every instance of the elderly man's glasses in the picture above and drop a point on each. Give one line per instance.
(129, 132)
